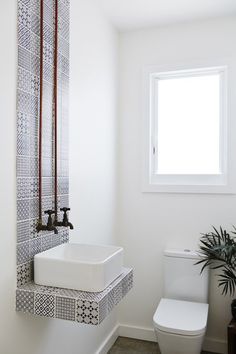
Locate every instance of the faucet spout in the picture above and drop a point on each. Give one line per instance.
(70, 226)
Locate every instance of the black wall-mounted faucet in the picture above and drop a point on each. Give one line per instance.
(65, 218)
(65, 222)
(50, 225)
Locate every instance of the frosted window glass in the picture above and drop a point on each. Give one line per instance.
(188, 125)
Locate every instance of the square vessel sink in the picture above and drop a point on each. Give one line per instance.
(78, 266)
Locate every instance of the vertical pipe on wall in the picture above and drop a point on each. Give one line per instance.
(55, 106)
(41, 111)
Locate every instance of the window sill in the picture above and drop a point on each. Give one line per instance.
(187, 189)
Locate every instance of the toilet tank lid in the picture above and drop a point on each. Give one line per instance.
(181, 253)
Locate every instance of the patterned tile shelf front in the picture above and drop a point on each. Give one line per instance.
(80, 306)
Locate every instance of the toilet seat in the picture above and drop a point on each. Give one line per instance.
(181, 317)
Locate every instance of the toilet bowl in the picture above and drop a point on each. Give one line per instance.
(180, 326)
(180, 319)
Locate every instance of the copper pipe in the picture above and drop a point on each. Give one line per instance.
(55, 107)
(41, 109)
(50, 226)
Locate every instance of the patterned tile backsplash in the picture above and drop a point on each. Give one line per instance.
(29, 242)
(82, 307)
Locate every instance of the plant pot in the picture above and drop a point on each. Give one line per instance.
(233, 309)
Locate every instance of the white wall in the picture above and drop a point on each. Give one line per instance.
(91, 34)
(150, 222)
(93, 95)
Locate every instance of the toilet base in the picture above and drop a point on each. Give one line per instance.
(170, 343)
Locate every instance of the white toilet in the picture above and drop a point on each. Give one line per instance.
(181, 317)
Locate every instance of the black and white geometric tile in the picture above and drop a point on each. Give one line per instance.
(35, 247)
(65, 308)
(34, 167)
(48, 73)
(33, 232)
(24, 13)
(64, 9)
(35, 43)
(44, 305)
(23, 144)
(25, 301)
(23, 58)
(34, 207)
(35, 85)
(34, 104)
(82, 307)
(63, 185)
(23, 231)
(64, 29)
(23, 79)
(64, 236)
(23, 166)
(56, 240)
(48, 89)
(47, 167)
(23, 254)
(23, 188)
(23, 36)
(49, 3)
(87, 312)
(23, 209)
(48, 53)
(48, 33)
(35, 24)
(23, 102)
(64, 201)
(34, 187)
(35, 4)
(47, 183)
(24, 273)
(23, 123)
(35, 64)
(48, 15)
(46, 242)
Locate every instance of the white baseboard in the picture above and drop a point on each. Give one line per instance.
(109, 341)
(215, 345)
(137, 332)
(210, 344)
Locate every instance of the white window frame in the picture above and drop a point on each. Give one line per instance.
(152, 182)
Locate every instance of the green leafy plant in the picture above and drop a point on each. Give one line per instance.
(218, 251)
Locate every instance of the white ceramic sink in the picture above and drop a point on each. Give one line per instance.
(78, 266)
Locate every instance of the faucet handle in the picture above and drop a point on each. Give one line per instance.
(49, 212)
(65, 209)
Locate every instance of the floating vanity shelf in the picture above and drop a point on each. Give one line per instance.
(79, 306)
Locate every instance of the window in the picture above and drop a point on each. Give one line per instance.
(187, 127)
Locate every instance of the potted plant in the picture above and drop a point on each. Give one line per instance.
(218, 251)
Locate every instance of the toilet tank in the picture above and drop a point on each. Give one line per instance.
(182, 278)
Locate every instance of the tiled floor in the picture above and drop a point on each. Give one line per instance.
(134, 346)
